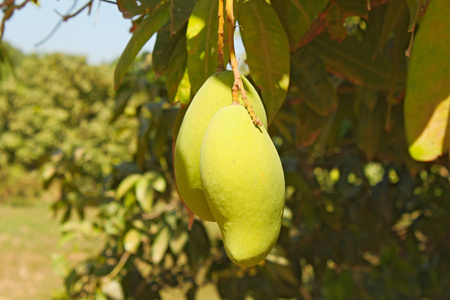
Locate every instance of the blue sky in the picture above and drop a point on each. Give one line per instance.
(101, 36)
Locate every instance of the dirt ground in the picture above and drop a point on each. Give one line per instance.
(30, 255)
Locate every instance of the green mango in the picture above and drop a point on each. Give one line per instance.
(244, 184)
(215, 93)
(427, 99)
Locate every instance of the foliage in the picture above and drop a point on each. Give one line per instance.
(362, 220)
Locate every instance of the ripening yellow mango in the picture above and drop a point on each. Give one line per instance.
(215, 93)
(244, 184)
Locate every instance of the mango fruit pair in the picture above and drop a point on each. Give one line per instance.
(228, 170)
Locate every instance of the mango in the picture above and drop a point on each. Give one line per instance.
(244, 184)
(215, 93)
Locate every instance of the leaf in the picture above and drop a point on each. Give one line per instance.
(427, 100)
(113, 290)
(127, 184)
(144, 194)
(296, 17)
(370, 126)
(180, 10)
(176, 69)
(310, 125)
(160, 245)
(309, 75)
(353, 60)
(123, 95)
(335, 21)
(178, 240)
(151, 24)
(267, 48)
(391, 18)
(184, 89)
(131, 8)
(132, 240)
(158, 181)
(165, 45)
(201, 42)
(353, 8)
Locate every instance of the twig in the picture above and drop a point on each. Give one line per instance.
(87, 5)
(238, 85)
(220, 65)
(123, 260)
(7, 13)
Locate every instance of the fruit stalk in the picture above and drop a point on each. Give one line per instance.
(238, 86)
(220, 66)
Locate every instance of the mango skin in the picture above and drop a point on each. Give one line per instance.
(244, 184)
(214, 94)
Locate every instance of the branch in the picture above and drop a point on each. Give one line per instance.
(220, 65)
(238, 86)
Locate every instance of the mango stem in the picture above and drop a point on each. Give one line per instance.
(238, 86)
(220, 44)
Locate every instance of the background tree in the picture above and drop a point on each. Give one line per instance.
(363, 220)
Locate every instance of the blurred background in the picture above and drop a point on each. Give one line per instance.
(89, 208)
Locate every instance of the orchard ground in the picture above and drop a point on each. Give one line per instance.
(31, 254)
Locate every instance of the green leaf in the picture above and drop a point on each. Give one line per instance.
(132, 240)
(184, 89)
(144, 194)
(165, 45)
(355, 61)
(296, 17)
(309, 75)
(127, 184)
(427, 100)
(151, 24)
(176, 69)
(267, 48)
(180, 10)
(201, 42)
(160, 245)
(131, 8)
(158, 181)
(178, 240)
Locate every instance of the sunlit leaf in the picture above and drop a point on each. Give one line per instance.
(160, 244)
(178, 240)
(127, 184)
(202, 42)
(113, 290)
(176, 69)
(427, 100)
(151, 24)
(308, 73)
(132, 240)
(268, 52)
(144, 194)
